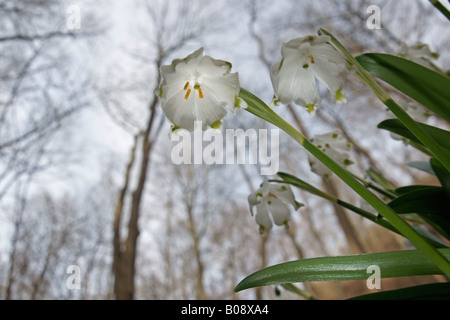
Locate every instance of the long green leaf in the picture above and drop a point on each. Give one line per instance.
(420, 83)
(293, 180)
(422, 199)
(424, 166)
(352, 267)
(442, 137)
(430, 202)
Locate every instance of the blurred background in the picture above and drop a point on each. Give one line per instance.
(86, 177)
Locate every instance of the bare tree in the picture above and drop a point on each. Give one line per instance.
(171, 25)
(40, 92)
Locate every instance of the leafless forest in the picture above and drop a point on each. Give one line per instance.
(86, 177)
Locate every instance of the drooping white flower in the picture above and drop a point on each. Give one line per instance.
(198, 88)
(303, 61)
(419, 53)
(272, 202)
(335, 146)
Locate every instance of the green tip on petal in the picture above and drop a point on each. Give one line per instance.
(435, 55)
(340, 96)
(262, 229)
(237, 101)
(275, 101)
(174, 128)
(310, 107)
(216, 124)
(348, 162)
(298, 205)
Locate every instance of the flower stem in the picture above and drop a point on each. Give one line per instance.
(369, 184)
(260, 109)
(441, 8)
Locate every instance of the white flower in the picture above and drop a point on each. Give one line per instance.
(419, 53)
(272, 203)
(334, 146)
(198, 88)
(303, 61)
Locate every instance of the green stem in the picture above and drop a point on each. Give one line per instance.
(441, 8)
(260, 109)
(401, 114)
(369, 184)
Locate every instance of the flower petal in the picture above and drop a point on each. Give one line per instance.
(262, 217)
(280, 211)
(284, 193)
(253, 201)
(208, 109)
(180, 111)
(326, 73)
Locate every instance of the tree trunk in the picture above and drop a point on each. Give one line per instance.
(125, 254)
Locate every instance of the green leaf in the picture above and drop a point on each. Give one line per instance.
(423, 166)
(442, 174)
(431, 203)
(407, 189)
(351, 267)
(422, 200)
(290, 179)
(442, 137)
(427, 87)
(433, 291)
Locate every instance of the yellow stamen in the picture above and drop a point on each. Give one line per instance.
(187, 94)
(312, 58)
(186, 85)
(200, 93)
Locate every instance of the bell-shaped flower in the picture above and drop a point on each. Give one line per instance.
(419, 53)
(272, 201)
(305, 60)
(335, 146)
(198, 88)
